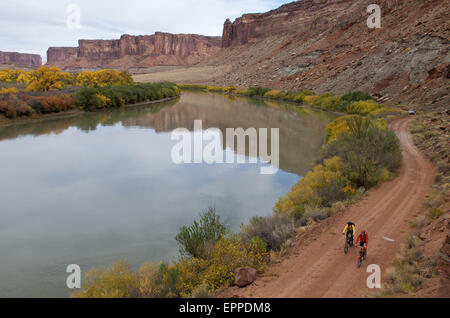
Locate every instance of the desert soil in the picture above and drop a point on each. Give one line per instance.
(318, 266)
(188, 75)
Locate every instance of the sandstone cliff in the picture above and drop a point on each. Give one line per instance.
(326, 45)
(135, 51)
(20, 59)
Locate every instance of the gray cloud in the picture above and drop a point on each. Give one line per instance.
(32, 26)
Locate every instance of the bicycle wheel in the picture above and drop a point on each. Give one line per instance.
(346, 247)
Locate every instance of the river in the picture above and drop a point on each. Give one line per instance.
(100, 187)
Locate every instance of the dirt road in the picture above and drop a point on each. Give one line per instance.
(319, 267)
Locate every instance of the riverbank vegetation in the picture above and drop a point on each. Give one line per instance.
(359, 103)
(48, 90)
(360, 153)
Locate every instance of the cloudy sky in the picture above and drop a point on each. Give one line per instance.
(31, 26)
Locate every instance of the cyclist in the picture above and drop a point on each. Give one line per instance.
(350, 231)
(363, 240)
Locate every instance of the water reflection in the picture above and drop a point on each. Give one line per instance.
(100, 187)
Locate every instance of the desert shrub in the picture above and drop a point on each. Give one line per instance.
(103, 78)
(325, 101)
(231, 253)
(192, 86)
(341, 125)
(300, 96)
(50, 104)
(312, 214)
(11, 107)
(274, 94)
(258, 91)
(44, 79)
(196, 275)
(91, 98)
(86, 99)
(10, 76)
(364, 107)
(9, 91)
(103, 101)
(241, 91)
(230, 89)
(410, 269)
(197, 239)
(273, 230)
(158, 281)
(310, 100)
(218, 89)
(7, 109)
(352, 97)
(366, 151)
(322, 186)
(116, 281)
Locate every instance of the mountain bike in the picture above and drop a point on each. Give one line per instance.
(362, 255)
(348, 242)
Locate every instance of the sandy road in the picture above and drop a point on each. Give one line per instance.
(319, 267)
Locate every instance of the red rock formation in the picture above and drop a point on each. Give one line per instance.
(326, 45)
(57, 56)
(285, 19)
(136, 51)
(21, 59)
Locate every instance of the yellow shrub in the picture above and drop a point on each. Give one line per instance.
(190, 274)
(241, 91)
(216, 89)
(273, 94)
(103, 101)
(364, 107)
(192, 86)
(7, 75)
(117, 281)
(229, 89)
(310, 99)
(229, 254)
(340, 125)
(324, 184)
(45, 79)
(9, 91)
(337, 127)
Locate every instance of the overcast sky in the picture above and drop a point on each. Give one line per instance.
(31, 26)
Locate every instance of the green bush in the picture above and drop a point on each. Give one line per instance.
(196, 240)
(367, 151)
(88, 98)
(312, 214)
(258, 91)
(274, 230)
(352, 97)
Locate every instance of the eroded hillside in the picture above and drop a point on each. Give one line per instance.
(326, 45)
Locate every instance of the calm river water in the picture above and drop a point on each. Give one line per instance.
(101, 187)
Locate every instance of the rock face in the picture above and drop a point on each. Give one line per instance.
(283, 20)
(326, 45)
(244, 276)
(135, 51)
(21, 59)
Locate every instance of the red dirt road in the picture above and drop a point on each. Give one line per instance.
(318, 266)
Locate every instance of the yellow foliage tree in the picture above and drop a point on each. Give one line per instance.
(45, 79)
(9, 91)
(7, 75)
(324, 184)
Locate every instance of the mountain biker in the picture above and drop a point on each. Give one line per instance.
(350, 230)
(363, 240)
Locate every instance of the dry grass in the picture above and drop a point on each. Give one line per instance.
(188, 75)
